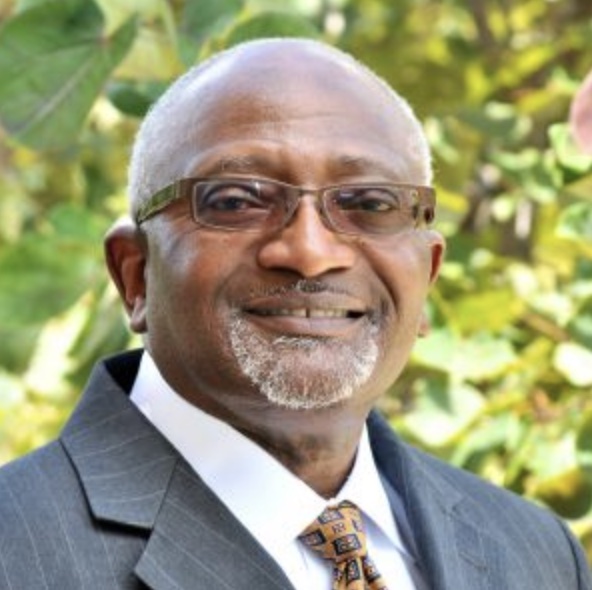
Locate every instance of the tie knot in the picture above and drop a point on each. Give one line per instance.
(337, 534)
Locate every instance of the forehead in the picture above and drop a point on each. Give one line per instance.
(295, 106)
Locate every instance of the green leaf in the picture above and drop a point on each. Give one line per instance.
(580, 327)
(584, 442)
(443, 410)
(134, 99)
(580, 189)
(480, 357)
(28, 4)
(43, 274)
(200, 19)
(575, 222)
(17, 344)
(104, 332)
(271, 24)
(487, 310)
(40, 278)
(568, 154)
(502, 432)
(574, 362)
(53, 63)
(50, 362)
(73, 222)
(568, 494)
(551, 456)
(497, 121)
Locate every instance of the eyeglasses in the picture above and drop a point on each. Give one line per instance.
(257, 204)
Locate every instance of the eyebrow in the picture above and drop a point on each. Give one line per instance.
(360, 165)
(341, 165)
(241, 164)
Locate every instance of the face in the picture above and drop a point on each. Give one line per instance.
(303, 318)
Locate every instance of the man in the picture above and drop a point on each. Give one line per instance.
(277, 267)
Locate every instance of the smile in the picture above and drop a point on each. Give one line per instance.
(315, 322)
(304, 312)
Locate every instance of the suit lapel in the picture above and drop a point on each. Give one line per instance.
(450, 546)
(133, 477)
(228, 557)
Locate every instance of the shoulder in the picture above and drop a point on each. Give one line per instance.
(530, 533)
(39, 497)
(34, 486)
(458, 513)
(42, 491)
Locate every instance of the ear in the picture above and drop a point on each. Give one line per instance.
(437, 245)
(424, 325)
(126, 255)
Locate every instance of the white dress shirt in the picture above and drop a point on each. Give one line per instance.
(271, 502)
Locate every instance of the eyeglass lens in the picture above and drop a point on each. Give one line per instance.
(267, 205)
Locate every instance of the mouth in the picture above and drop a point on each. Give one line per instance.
(316, 316)
(308, 312)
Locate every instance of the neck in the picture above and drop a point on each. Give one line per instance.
(318, 447)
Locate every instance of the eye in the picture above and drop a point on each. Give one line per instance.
(368, 198)
(231, 197)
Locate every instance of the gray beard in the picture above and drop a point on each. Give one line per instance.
(301, 372)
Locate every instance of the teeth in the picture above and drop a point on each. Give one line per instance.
(305, 313)
(327, 313)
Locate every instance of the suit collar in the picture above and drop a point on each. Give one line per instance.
(124, 464)
(133, 477)
(228, 557)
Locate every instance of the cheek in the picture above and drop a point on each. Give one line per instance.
(404, 270)
(189, 275)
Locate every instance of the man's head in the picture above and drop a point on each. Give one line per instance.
(167, 129)
(278, 316)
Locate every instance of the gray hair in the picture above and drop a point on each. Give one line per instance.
(163, 133)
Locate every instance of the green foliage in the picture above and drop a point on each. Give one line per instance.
(270, 24)
(59, 44)
(502, 385)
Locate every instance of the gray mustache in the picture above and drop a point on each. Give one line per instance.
(304, 286)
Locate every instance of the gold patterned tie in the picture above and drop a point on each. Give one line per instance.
(338, 536)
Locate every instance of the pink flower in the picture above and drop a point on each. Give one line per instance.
(580, 116)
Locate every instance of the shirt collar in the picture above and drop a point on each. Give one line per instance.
(256, 488)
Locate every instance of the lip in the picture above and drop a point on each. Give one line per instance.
(323, 315)
(307, 312)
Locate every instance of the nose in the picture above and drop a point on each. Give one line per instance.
(307, 246)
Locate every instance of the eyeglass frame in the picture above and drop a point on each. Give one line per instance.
(182, 188)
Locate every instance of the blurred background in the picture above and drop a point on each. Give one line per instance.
(503, 384)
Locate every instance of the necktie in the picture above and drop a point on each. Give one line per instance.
(338, 536)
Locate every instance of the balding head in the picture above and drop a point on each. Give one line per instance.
(265, 73)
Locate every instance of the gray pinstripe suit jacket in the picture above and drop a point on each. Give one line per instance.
(111, 505)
